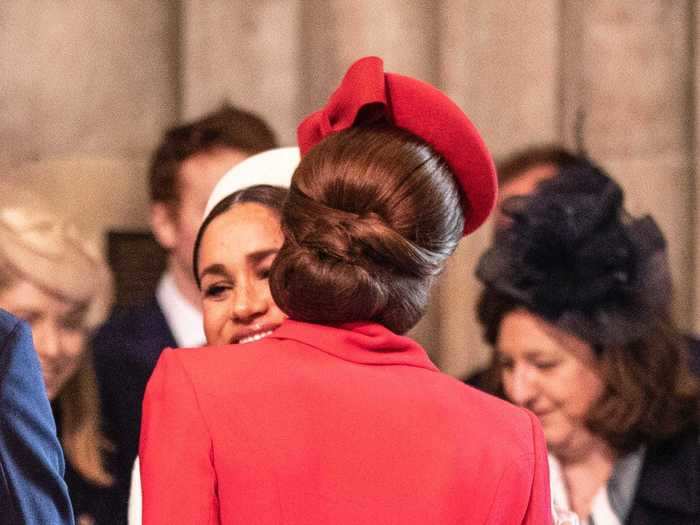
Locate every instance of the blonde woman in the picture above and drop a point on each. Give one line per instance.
(52, 278)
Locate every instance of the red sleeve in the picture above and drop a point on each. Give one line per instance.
(177, 474)
(523, 488)
(539, 509)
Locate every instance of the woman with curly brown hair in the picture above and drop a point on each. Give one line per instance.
(577, 304)
(334, 416)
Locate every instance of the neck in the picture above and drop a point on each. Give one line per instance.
(185, 284)
(585, 472)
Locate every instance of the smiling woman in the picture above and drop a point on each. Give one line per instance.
(235, 254)
(576, 305)
(53, 278)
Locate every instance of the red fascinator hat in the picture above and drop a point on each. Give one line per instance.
(368, 94)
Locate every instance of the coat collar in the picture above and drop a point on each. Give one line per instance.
(669, 478)
(360, 342)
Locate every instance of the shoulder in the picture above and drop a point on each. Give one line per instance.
(134, 328)
(670, 477)
(132, 317)
(8, 323)
(16, 347)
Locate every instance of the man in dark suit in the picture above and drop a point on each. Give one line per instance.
(184, 169)
(32, 489)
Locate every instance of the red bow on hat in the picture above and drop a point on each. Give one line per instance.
(366, 93)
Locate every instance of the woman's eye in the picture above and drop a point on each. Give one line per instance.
(72, 323)
(215, 291)
(264, 273)
(505, 362)
(545, 365)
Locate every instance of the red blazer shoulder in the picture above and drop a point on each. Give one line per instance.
(333, 425)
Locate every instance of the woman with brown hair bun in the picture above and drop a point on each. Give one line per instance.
(334, 417)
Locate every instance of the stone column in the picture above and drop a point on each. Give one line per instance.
(85, 90)
(85, 78)
(631, 89)
(501, 64)
(338, 32)
(244, 52)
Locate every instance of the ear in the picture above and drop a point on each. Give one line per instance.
(163, 225)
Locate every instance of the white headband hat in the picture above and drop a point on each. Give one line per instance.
(273, 167)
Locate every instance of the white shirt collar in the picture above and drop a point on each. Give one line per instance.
(613, 501)
(185, 321)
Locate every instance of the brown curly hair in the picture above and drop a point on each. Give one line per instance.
(649, 392)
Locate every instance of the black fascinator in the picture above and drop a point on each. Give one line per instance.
(573, 255)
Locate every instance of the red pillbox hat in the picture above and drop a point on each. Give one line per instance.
(367, 92)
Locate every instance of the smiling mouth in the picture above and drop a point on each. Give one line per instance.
(254, 337)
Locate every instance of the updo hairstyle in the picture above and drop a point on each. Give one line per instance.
(371, 216)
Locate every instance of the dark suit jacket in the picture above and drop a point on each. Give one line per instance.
(32, 489)
(668, 492)
(126, 349)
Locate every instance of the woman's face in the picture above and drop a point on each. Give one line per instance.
(235, 256)
(553, 374)
(57, 330)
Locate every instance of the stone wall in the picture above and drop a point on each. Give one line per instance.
(87, 87)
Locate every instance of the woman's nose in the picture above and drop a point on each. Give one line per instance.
(522, 390)
(248, 305)
(47, 340)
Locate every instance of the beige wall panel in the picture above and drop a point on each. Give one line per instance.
(696, 171)
(246, 52)
(635, 77)
(85, 77)
(660, 186)
(98, 194)
(338, 32)
(500, 63)
(633, 89)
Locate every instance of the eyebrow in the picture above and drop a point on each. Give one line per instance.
(220, 269)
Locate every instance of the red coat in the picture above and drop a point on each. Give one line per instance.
(327, 425)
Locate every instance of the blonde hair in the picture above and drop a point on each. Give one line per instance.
(38, 246)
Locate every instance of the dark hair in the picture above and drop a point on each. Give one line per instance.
(228, 127)
(649, 392)
(572, 256)
(272, 197)
(371, 216)
(522, 160)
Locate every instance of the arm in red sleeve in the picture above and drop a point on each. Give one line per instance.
(177, 473)
(539, 509)
(523, 489)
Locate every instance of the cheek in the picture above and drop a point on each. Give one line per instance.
(274, 313)
(588, 391)
(575, 391)
(73, 346)
(507, 382)
(215, 319)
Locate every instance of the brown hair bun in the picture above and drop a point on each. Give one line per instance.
(371, 216)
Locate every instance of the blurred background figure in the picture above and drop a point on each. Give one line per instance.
(189, 161)
(32, 489)
(521, 171)
(235, 247)
(52, 277)
(577, 307)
